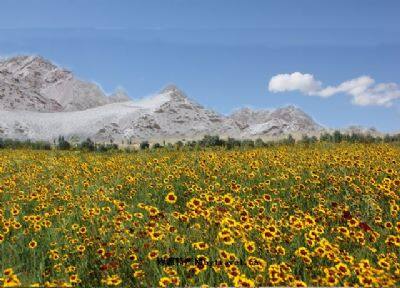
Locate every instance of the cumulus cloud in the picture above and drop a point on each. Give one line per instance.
(292, 82)
(362, 90)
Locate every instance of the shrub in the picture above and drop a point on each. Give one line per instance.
(157, 145)
(63, 144)
(144, 145)
(88, 145)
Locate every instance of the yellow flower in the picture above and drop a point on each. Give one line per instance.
(138, 274)
(32, 244)
(250, 246)
(225, 235)
(243, 281)
(302, 252)
(175, 280)
(383, 263)
(343, 269)
(153, 254)
(200, 245)
(12, 281)
(256, 264)
(299, 283)
(113, 280)
(171, 198)
(8, 272)
(74, 279)
(164, 282)
(80, 248)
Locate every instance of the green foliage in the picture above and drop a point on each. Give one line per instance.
(289, 140)
(178, 145)
(208, 141)
(87, 145)
(247, 143)
(259, 143)
(157, 146)
(63, 144)
(232, 143)
(106, 147)
(338, 137)
(144, 145)
(24, 144)
(211, 141)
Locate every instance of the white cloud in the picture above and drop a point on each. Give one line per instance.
(362, 90)
(295, 81)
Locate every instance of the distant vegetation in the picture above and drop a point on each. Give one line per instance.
(206, 142)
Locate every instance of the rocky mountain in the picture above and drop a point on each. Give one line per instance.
(41, 101)
(170, 114)
(33, 83)
(119, 96)
(276, 122)
(354, 129)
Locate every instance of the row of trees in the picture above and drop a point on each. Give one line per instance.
(230, 143)
(18, 144)
(60, 144)
(206, 141)
(337, 137)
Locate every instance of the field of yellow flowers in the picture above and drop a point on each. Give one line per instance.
(325, 215)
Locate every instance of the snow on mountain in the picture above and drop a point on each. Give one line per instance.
(33, 83)
(101, 123)
(276, 122)
(360, 130)
(41, 101)
(167, 115)
(119, 96)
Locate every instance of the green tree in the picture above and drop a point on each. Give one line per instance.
(88, 145)
(259, 143)
(63, 144)
(144, 145)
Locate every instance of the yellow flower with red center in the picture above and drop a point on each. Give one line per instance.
(343, 269)
(153, 254)
(250, 246)
(243, 281)
(32, 244)
(171, 198)
(74, 279)
(164, 282)
(256, 264)
(112, 280)
(139, 274)
(384, 263)
(200, 245)
(299, 283)
(226, 236)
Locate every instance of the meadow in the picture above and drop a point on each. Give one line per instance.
(290, 215)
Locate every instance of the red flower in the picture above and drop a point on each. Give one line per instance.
(365, 226)
(104, 267)
(346, 215)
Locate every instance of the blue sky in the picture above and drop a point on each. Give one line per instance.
(222, 53)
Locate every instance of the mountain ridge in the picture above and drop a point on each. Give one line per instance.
(40, 101)
(34, 83)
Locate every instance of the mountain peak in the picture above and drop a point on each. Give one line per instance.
(33, 83)
(32, 61)
(119, 96)
(170, 88)
(175, 93)
(291, 107)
